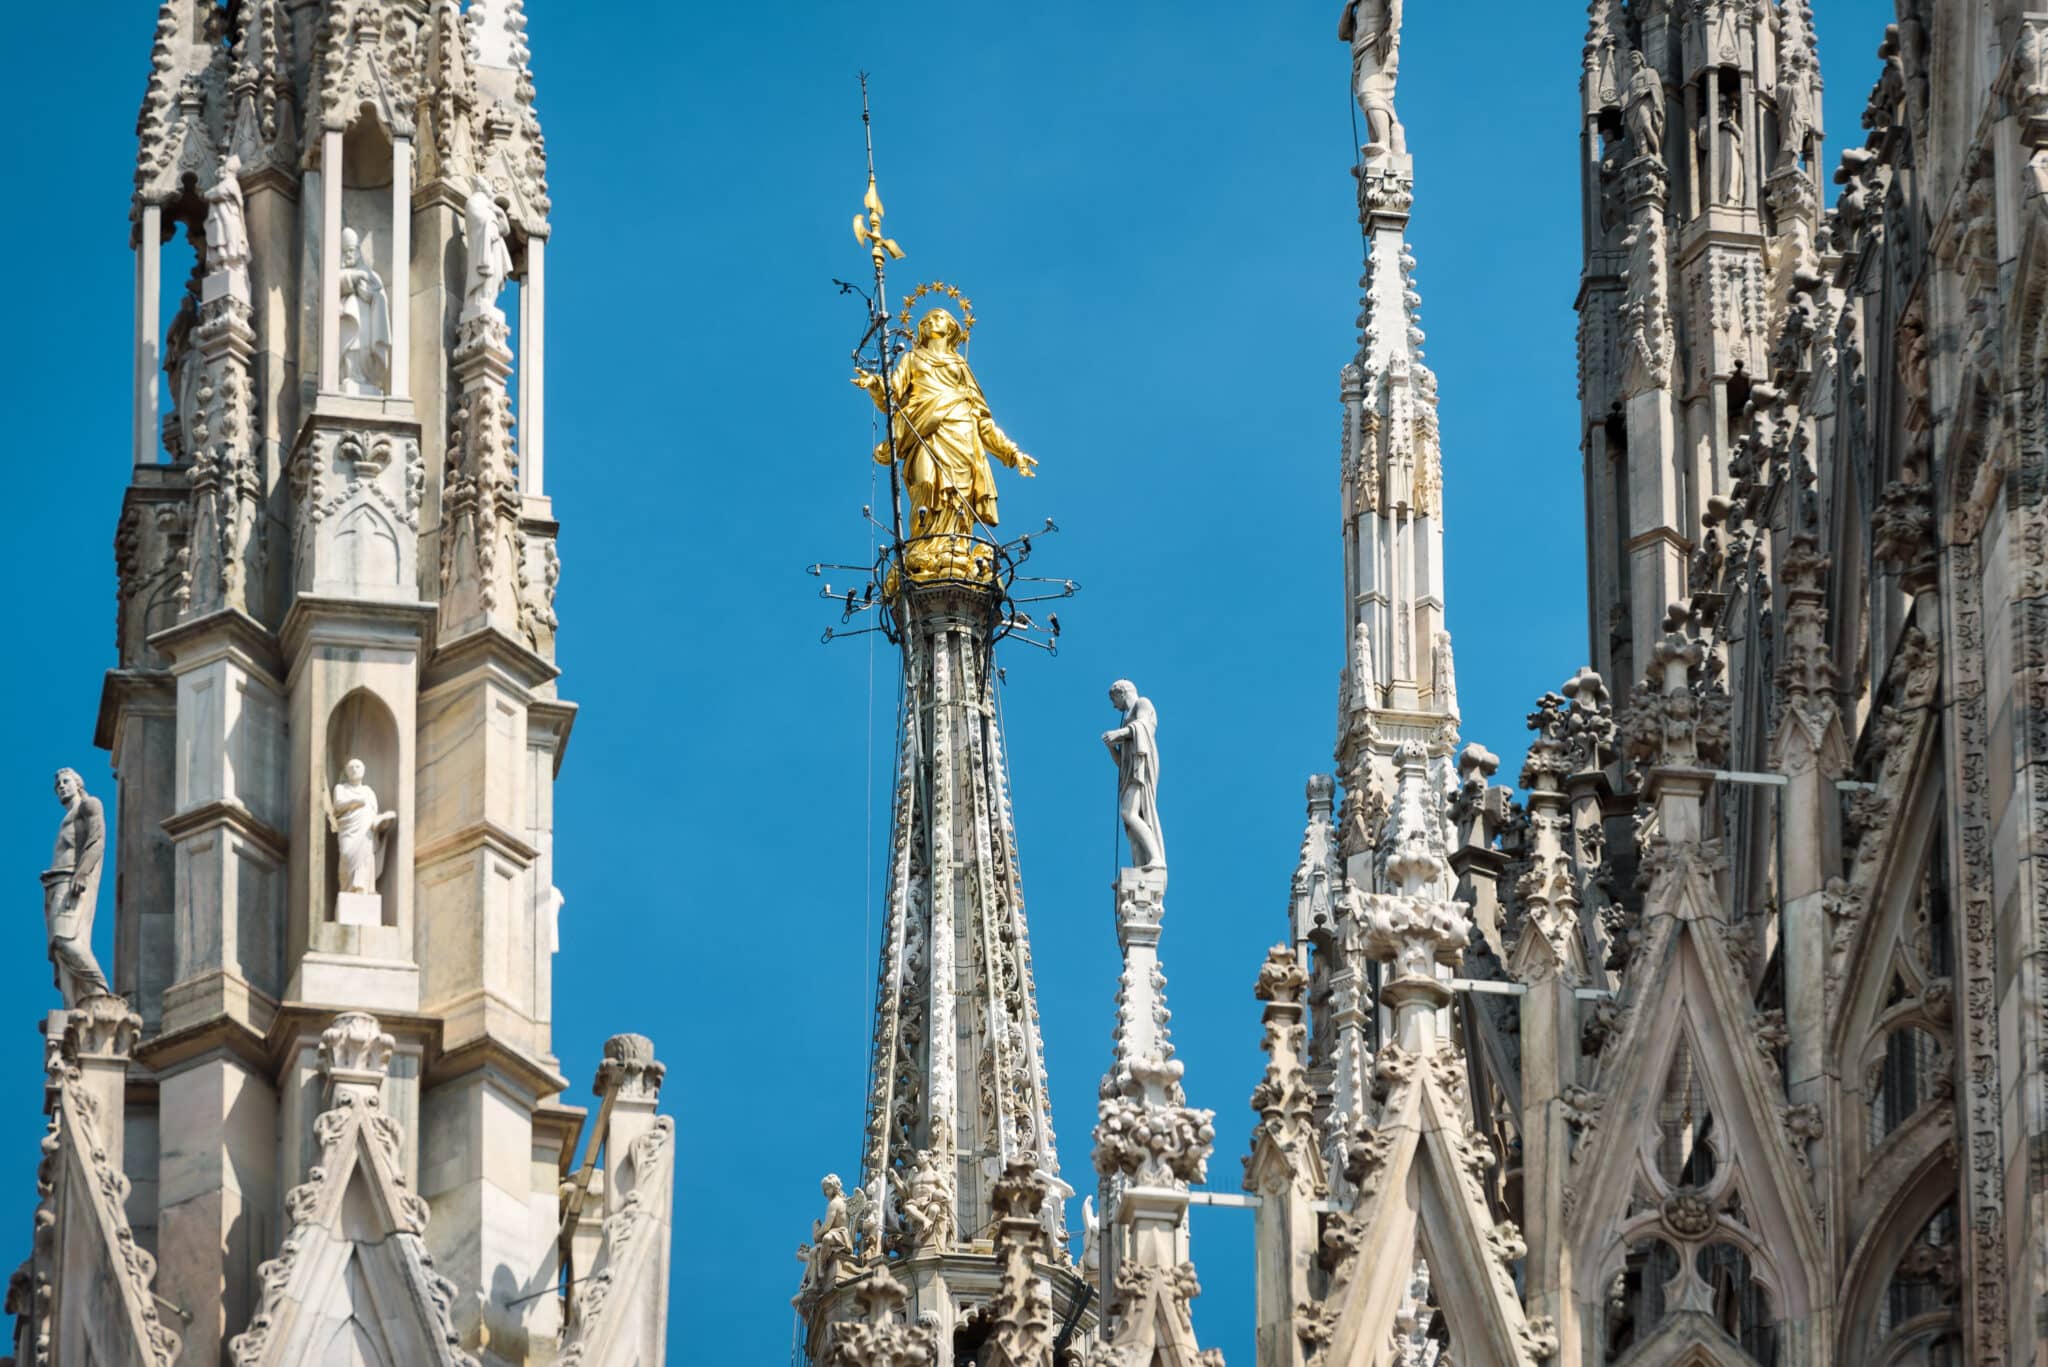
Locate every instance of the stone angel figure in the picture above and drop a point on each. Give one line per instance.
(1135, 746)
(927, 1202)
(831, 1243)
(365, 338)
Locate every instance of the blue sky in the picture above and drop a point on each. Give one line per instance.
(1152, 208)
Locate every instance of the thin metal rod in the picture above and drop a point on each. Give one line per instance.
(878, 323)
(1747, 776)
(1487, 985)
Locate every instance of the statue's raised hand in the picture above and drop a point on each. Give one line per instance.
(1026, 466)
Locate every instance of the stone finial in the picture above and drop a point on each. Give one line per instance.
(1281, 978)
(630, 1066)
(1019, 1200)
(1024, 1326)
(355, 1050)
(1283, 1098)
(1315, 872)
(878, 1337)
(1414, 934)
(1411, 847)
(1476, 761)
(101, 1027)
(1589, 733)
(1678, 716)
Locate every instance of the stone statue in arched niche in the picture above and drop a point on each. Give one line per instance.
(362, 833)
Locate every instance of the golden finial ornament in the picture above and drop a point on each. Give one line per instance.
(867, 227)
(940, 434)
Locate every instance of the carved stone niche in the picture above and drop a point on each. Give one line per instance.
(150, 558)
(356, 489)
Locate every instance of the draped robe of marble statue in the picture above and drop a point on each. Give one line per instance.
(944, 433)
(227, 228)
(490, 260)
(1732, 182)
(1135, 745)
(71, 890)
(365, 322)
(1644, 112)
(1365, 680)
(1373, 28)
(360, 831)
(1446, 672)
(831, 1242)
(1795, 116)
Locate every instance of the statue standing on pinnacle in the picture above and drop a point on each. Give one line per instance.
(1373, 28)
(486, 226)
(1644, 111)
(1135, 745)
(944, 435)
(227, 228)
(71, 890)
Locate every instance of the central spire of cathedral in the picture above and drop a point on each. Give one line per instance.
(958, 1138)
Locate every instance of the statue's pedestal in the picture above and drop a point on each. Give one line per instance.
(359, 909)
(1140, 886)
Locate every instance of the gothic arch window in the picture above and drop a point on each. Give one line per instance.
(1741, 1304)
(1685, 1148)
(1637, 1296)
(1916, 1321)
(1897, 1306)
(1902, 1079)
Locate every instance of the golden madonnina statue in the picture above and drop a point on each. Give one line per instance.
(944, 435)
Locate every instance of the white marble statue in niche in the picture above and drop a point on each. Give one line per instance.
(227, 229)
(1644, 111)
(1365, 673)
(365, 337)
(490, 260)
(361, 834)
(71, 890)
(1135, 745)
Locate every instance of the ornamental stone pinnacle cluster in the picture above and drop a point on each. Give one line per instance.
(314, 1113)
(1721, 1040)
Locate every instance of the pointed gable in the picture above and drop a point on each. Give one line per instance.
(621, 1311)
(1691, 1012)
(353, 1275)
